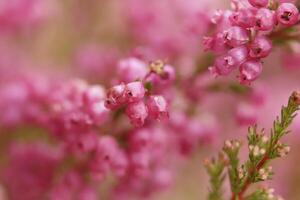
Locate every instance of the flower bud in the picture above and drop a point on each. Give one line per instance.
(260, 47)
(157, 107)
(250, 70)
(264, 19)
(137, 113)
(244, 18)
(236, 36)
(115, 97)
(287, 14)
(134, 91)
(259, 3)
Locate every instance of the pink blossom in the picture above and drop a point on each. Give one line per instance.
(287, 14)
(260, 47)
(259, 3)
(137, 112)
(236, 36)
(264, 19)
(157, 107)
(134, 91)
(250, 70)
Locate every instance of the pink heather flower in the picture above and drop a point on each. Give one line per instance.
(252, 21)
(208, 43)
(163, 79)
(240, 4)
(259, 3)
(132, 69)
(73, 107)
(239, 55)
(250, 70)
(115, 97)
(260, 47)
(236, 36)
(134, 91)
(244, 18)
(225, 64)
(264, 19)
(216, 43)
(287, 14)
(137, 112)
(216, 17)
(222, 19)
(157, 107)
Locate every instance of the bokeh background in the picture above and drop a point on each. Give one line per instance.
(85, 39)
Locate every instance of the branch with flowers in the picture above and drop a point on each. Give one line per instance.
(116, 124)
(244, 35)
(262, 150)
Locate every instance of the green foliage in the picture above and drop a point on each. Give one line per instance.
(262, 149)
(215, 169)
(262, 194)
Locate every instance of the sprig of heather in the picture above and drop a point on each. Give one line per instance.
(246, 34)
(262, 149)
(137, 96)
(215, 169)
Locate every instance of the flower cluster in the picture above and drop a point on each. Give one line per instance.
(72, 117)
(132, 94)
(88, 112)
(262, 149)
(69, 121)
(81, 130)
(245, 35)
